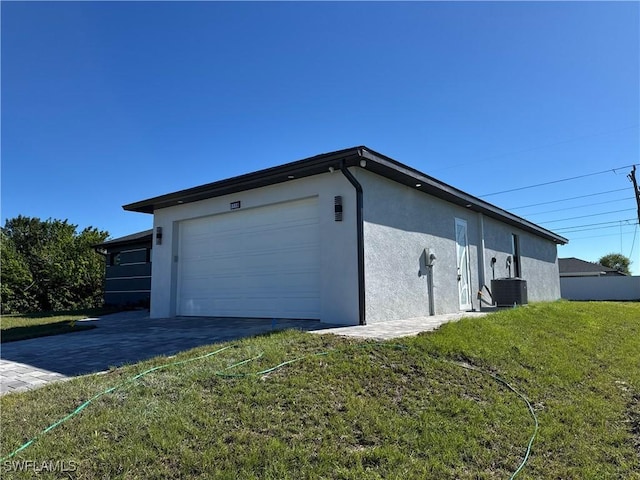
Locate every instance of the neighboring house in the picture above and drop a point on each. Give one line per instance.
(574, 267)
(580, 280)
(127, 269)
(345, 237)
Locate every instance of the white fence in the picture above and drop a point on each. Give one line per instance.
(600, 288)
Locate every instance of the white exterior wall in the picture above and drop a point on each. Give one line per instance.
(538, 260)
(401, 222)
(338, 244)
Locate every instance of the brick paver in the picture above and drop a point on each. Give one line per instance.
(119, 339)
(130, 337)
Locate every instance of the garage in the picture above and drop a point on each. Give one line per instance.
(254, 262)
(347, 237)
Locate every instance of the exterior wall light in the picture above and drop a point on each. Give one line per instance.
(158, 235)
(337, 208)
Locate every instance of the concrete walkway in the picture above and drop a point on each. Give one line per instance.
(131, 337)
(399, 328)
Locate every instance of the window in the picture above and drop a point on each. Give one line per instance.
(148, 257)
(114, 259)
(515, 252)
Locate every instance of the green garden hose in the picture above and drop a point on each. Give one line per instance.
(533, 413)
(104, 392)
(223, 373)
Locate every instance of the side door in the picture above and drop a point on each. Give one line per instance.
(462, 264)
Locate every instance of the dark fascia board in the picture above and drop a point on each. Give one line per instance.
(249, 181)
(352, 157)
(135, 238)
(394, 170)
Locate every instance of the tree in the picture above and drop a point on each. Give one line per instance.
(616, 261)
(16, 286)
(48, 265)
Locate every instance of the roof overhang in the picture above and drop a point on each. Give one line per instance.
(351, 157)
(134, 238)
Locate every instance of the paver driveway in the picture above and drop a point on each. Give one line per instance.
(121, 338)
(130, 337)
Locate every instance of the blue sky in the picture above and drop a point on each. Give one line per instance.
(109, 103)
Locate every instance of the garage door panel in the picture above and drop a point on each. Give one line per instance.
(286, 236)
(249, 291)
(263, 262)
(196, 269)
(198, 230)
(295, 307)
(296, 280)
(276, 240)
(267, 221)
(289, 265)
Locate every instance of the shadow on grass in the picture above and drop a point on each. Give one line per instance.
(33, 331)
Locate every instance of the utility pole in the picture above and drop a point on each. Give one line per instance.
(636, 190)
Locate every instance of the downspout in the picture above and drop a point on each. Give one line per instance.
(432, 303)
(360, 241)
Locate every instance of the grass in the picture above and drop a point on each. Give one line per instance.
(16, 327)
(392, 410)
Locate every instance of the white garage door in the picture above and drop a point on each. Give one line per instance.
(261, 262)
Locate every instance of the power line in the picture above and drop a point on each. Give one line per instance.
(567, 199)
(581, 206)
(633, 242)
(557, 181)
(615, 223)
(600, 236)
(591, 229)
(589, 216)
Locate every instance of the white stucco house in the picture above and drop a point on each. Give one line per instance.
(348, 237)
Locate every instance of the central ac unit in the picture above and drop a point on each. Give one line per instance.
(508, 292)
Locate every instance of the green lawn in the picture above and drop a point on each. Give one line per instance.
(397, 410)
(23, 326)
